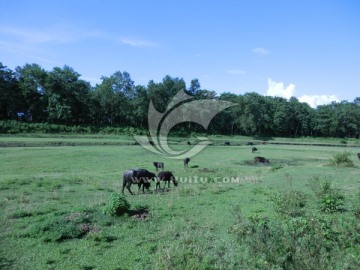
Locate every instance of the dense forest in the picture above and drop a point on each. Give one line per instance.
(33, 95)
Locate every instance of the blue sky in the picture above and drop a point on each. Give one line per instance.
(307, 49)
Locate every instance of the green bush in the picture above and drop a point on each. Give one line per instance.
(116, 206)
(290, 204)
(312, 241)
(330, 199)
(342, 160)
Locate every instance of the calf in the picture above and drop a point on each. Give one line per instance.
(159, 165)
(141, 177)
(186, 162)
(261, 160)
(166, 177)
(254, 149)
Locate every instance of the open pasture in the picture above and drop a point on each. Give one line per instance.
(44, 188)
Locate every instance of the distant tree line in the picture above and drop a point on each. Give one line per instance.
(32, 94)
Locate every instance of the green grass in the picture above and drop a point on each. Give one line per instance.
(49, 193)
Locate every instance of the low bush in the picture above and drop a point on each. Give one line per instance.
(312, 241)
(341, 160)
(116, 206)
(329, 198)
(290, 204)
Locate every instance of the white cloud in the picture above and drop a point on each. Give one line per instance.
(235, 71)
(53, 34)
(137, 42)
(260, 51)
(278, 89)
(317, 100)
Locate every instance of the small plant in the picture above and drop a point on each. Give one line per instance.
(117, 205)
(342, 160)
(331, 199)
(276, 167)
(290, 204)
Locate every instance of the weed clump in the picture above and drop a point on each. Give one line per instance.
(330, 199)
(342, 160)
(116, 206)
(290, 204)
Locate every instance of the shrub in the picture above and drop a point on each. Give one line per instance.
(330, 199)
(116, 206)
(290, 204)
(311, 241)
(342, 160)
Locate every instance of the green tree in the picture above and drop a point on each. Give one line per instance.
(67, 96)
(31, 80)
(115, 95)
(10, 96)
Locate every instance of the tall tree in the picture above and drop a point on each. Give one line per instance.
(10, 95)
(67, 95)
(31, 80)
(115, 94)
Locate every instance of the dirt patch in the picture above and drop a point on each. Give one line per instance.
(206, 170)
(139, 214)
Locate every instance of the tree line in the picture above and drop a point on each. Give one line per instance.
(32, 94)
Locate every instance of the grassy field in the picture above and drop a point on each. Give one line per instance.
(53, 189)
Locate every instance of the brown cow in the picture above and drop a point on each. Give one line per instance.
(159, 165)
(186, 162)
(261, 160)
(166, 177)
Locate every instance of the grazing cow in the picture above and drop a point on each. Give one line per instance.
(249, 143)
(141, 177)
(186, 162)
(358, 154)
(261, 160)
(166, 177)
(254, 149)
(188, 143)
(159, 165)
(227, 143)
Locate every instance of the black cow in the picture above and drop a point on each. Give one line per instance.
(159, 165)
(227, 143)
(254, 149)
(186, 162)
(358, 154)
(261, 160)
(141, 177)
(166, 177)
(188, 143)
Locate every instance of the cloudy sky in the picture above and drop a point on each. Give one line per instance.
(307, 49)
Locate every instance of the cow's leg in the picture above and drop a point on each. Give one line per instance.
(123, 187)
(128, 185)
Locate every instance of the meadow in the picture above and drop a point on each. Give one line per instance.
(299, 212)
